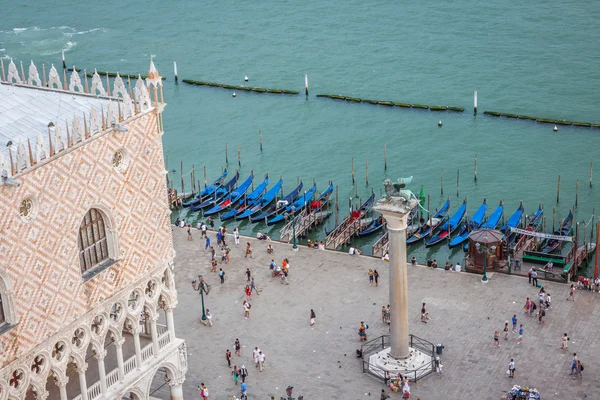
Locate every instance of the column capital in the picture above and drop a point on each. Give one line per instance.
(176, 381)
(395, 210)
(100, 355)
(120, 342)
(81, 369)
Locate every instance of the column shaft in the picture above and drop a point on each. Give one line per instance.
(177, 392)
(154, 336)
(170, 323)
(398, 294)
(102, 374)
(63, 391)
(83, 385)
(138, 349)
(120, 363)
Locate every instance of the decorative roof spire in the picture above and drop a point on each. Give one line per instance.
(153, 79)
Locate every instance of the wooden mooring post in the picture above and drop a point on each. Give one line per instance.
(457, 181)
(591, 173)
(553, 219)
(367, 172)
(352, 171)
(385, 160)
(181, 175)
(558, 190)
(442, 182)
(239, 156)
(226, 155)
(193, 178)
(260, 134)
(576, 192)
(205, 176)
(475, 178)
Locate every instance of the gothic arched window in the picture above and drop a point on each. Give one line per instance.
(93, 248)
(8, 311)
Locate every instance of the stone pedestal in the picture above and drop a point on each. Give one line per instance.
(396, 210)
(414, 366)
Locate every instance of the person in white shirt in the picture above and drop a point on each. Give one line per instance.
(208, 318)
(352, 251)
(457, 267)
(386, 257)
(236, 235)
(203, 229)
(261, 360)
(255, 354)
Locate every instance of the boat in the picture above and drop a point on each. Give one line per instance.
(206, 192)
(262, 202)
(474, 223)
(246, 200)
(533, 225)
(449, 226)
(431, 225)
(231, 198)
(550, 245)
(492, 221)
(514, 220)
(364, 207)
(281, 204)
(374, 226)
(218, 194)
(295, 207)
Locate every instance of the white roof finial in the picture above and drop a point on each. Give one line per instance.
(154, 78)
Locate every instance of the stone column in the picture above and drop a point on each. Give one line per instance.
(102, 370)
(176, 388)
(120, 363)
(138, 349)
(82, 382)
(396, 211)
(154, 330)
(170, 323)
(62, 387)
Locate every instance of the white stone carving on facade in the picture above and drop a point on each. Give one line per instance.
(111, 116)
(142, 95)
(22, 158)
(127, 106)
(34, 76)
(5, 165)
(153, 78)
(60, 140)
(75, 82)
(95, 124)
(97, 85)
(41, 148)
(77, 134)
(8, 298)
(119, 87)
(54, 78)
(13, 73)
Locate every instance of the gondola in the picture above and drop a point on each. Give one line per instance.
(449, 226)
(264, 201)
(431, 225)
(533, 225)
(231, 198)
(219, 194)
(281, 204)
(364, 207)
(492, 221)
(246, 200)
(206, 192)
(551, 245)
(295, 207)
(514, 220)
(373, 227)
(474, 223)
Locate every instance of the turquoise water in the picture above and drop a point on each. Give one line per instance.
(535, 59)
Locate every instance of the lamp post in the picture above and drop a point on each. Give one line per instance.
(201, 283)
(486, 251)
(295, 245)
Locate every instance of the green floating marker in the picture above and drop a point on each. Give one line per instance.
(527, 117)
(337, 97)
(509, 115)
(438, 108)
(459, 109)
(423, 106)
(586, 124)
(275, 90)
(370, 101)
(354, 99)
(545, 120)
(405, 105)
(385, 103)
(562, 122)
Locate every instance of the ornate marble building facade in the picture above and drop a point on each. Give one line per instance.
(86, 254)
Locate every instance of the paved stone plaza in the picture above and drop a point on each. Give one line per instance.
(320, 362)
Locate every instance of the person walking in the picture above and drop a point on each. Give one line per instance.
(521, 330)
(532, 309)
(578, 370)
(548, 301)
(227, 251)
(207, 242)
(424, 314)
(190, 232)
(534, 280)
(248, 274)
(506, 330)
(541, 315)
(527, 306)
(212, 252)
(244, 389)
(255, 356)
(383, 310)
(413, 261)
(514, 323)
(203, 391)
(223, 254)
(511, 368)
(574, 364)
(236, 235)
(530, 273)
(247, 307)
(571, 293)
(261, 361)
(565, 342)
(243, 373)
(228, 357)
(222, 275)
(203, 230)
(253, 286)
(238, 347)
(248, 292)
(235, 373)
(388, 314)
(248, 250)
(208, 318)
(312, 317)
(376, 276)
(496, 338)
(371, 277)
(438, 365)
(213, 262)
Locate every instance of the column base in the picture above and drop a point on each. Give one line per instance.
(295, 249)
(414, 366)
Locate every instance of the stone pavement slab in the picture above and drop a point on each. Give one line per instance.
(320, 362)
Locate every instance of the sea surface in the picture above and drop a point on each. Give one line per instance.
(529, 58)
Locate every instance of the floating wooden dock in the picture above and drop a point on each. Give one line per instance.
(304, 223)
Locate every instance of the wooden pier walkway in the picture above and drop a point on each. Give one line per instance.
(380, 247)
(305, 221)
